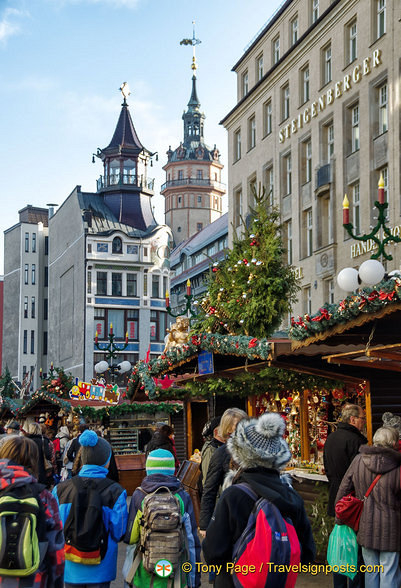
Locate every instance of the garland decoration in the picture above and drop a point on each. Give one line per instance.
(366, 301)
(43, 395)
(58, 382)
(11, 404)
(143, 373)
(88, 412)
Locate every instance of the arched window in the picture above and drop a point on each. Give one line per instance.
(117, 245)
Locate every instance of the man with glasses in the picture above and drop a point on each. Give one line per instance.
(339, 450)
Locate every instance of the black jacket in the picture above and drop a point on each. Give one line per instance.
(233, 510)
(43, 445)
(218, 467)
(339, 450)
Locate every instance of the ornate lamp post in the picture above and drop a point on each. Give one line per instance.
(187, 309)
(111, 350)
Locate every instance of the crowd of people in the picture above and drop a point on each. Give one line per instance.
(80, 511)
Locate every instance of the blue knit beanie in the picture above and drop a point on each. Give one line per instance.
(160, 461)
(94, 450)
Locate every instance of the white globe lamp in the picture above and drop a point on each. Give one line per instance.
(124, 367)
(348, 279)
(101, 367)
(371, 272)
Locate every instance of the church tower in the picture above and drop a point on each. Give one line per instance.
(193, 190)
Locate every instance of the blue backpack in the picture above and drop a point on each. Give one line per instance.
(270, 543)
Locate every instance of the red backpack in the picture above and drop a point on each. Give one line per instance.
(270, 543)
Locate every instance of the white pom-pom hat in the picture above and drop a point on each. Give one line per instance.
(260, 442)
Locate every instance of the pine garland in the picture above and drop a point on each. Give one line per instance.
(88, 412)
(42, 395)
(242, 346)
(366, 301)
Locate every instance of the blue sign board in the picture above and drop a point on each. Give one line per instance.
(205, 363)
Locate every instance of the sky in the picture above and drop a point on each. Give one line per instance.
(62, 63)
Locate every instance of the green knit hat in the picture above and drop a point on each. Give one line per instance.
(160, 461)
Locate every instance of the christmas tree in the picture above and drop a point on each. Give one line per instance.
(7, 388)
(252, 289)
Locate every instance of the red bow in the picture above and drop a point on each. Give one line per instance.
(252, 343)
(373, 295)
(324, 314)
(386, 296)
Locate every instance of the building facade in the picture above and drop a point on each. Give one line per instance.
(108, 262)
(25, 310)
(318, 116)
(193, 190)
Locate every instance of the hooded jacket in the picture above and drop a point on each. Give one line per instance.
(114, 499)
(51, 571)
(64, 436)
(380, 523)
(150, 484)
(232, 512)
(339, 450)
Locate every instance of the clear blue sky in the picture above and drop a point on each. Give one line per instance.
(62, 62)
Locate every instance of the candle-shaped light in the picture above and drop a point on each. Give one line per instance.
(51, 365)
(126, 337)
(345, 210)
(188, 287)
(381, 189)
(96, 337)
(40, 372)
(111, 328)
(167, 300)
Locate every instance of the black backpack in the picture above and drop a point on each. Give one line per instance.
(84, 531)
(22, 530)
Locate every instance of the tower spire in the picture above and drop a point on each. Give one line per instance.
(194, 41)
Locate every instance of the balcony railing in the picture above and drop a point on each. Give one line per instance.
(323, 176)
(194, 182)
(124, 180)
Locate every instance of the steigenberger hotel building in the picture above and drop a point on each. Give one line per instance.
(318, 116)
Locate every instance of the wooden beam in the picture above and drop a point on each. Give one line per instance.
(302, 369)
(376, 365)
(385, 354)
(368, 413)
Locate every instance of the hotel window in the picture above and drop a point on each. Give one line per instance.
(355, 128)
(33, 242)
(155, 286)
(46, 277)
(308, 300)
(199, 226)
(237, 145)
(285, 102)
(326, 64)
(89, 282)
(304, 84)
(289, 242)
(25, 348)
(154, 326)
(356, 208)
(314, 10)
(46, 245)
(251, 132)
(200, 174)
(33, 274)
(116, 284)
(32, 341)
(287, 169)
(237, 207)
(307, 161)
(294, 30)
(381, 18)
(268, 183)
(384, 173)
(132, 285)
(309, 232)
(26, 273)
(45, 308)
(132, 323)
(383, 109)
(200, 200)
(259, 67)
(352, 42)
(324, 228)
(44, 342)
(329, 291)
(267, 118)
(252, 190)
(26, 307)
(180, 174)
(330, 141)
(276, 50)
(26, 242)
(101, 283)
(117, 246)
(245, 83)
(33, 307)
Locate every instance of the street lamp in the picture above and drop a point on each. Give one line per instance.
(111, 350)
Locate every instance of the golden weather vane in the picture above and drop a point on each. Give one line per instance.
(194, 41)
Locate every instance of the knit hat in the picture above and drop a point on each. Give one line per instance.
(259, 442)
(392, 420)
(160, 461)
(94, 450)
(210, 426)
(13, 425)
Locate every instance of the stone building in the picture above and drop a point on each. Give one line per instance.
(317, 116)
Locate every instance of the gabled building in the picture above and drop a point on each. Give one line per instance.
(108, 261)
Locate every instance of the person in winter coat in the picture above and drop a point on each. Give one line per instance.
(379, 531)
(393, 420)
(160, 468)
(19, 458)
(34, 431)
(95, 454)
(213, 441)
(341, 447)
(218, 467)
(259, 449)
